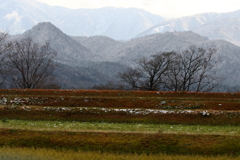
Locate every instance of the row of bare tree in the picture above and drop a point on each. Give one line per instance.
(194, 69)
(25, 64)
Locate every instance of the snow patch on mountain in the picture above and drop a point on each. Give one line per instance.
(14, 16)
(227, 29)
(212, 25)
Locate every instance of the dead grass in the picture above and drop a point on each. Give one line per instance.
(50, 154)
(173, 144)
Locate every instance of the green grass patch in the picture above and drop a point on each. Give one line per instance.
(118, 127)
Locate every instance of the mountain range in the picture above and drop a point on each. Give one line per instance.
(17, 16)
(224, 26)
(87, 61)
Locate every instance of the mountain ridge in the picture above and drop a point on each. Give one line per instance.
(197, 23)
(19, 16)
(68, 50)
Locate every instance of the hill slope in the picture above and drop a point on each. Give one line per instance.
(227, 53)
(68, 50)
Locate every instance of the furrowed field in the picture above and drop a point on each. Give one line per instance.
(84, 124)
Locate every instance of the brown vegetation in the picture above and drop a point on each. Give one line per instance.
(187, 108)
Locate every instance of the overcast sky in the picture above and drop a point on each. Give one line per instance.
(165, 8)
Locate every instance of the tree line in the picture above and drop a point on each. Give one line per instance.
(26, 64)
(194, 69)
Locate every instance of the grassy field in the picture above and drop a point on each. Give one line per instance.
(76, 124)
(50, 154)
(120, 142)
(118, 127)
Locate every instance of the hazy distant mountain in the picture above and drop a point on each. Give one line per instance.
(17, 16)
(184, 23)
(227, 29)
(116, 23)
(212, 25)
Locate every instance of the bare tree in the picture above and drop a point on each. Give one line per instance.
(193, 70)
(172, 79)
(4, 47)
(132, 77)
(150, 73)
(30, 65)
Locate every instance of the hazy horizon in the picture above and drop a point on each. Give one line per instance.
(168, 9)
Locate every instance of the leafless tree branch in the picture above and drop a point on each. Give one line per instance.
(30, 65)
